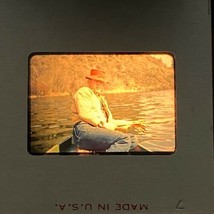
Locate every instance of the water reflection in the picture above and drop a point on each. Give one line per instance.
(50, 118)
(158, 110)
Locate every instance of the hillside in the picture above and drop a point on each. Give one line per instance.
(64, 74)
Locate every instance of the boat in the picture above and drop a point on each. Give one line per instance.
(69, 147)
(66, 146)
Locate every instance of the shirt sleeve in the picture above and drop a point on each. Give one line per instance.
(86, 108)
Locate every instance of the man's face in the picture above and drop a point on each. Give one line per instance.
(96, 85)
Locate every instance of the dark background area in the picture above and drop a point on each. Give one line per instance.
(32, 184)
(212, 12)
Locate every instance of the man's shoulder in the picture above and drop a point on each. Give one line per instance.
(84, 90)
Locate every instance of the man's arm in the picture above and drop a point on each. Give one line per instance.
(123, 125)
(83, 102)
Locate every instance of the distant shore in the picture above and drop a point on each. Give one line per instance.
(105, 92)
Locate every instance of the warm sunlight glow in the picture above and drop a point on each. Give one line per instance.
(138, 87)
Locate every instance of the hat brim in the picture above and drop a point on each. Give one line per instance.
(96, 78)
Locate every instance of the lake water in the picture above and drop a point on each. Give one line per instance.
(50, 119)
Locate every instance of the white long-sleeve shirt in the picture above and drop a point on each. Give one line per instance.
(88, 107)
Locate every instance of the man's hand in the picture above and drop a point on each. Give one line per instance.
(123, 129)
(139, 125)
(123, 125)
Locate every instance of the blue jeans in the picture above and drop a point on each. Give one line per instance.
(98, 139)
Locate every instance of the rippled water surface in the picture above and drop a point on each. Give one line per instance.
(50, 119)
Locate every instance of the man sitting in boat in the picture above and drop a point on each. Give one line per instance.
(94, 128)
